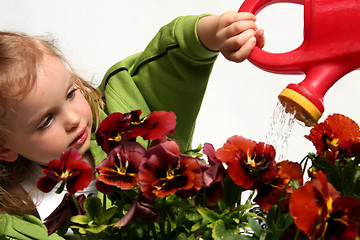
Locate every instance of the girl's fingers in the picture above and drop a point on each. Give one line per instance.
(239, 27)
(236, 42)
(244, 52)
(230, 17)
(260, 39)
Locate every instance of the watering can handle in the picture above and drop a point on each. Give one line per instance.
(269, 61)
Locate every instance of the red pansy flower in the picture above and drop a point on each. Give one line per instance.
(118, 127)
(156, 125)
(166, 171)
(113, 128)
(120, 168)
(332, 133)
(70, 168)
(320, 212)
(248, 160)
(270, 194)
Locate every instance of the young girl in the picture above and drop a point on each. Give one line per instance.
(47, 109)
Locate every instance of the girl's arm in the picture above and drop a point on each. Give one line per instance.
(233, 34)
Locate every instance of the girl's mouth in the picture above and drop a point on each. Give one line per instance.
(80, 138)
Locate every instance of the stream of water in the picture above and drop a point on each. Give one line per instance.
(280, 127)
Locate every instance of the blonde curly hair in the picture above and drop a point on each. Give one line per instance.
(20, 56)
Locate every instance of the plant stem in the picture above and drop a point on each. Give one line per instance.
(153, 230)
(61, 188)
(162, 228)
(104, 202)
(297, 234)
(162, 221)
(76, 203)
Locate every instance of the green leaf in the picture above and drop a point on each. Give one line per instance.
(182, 236)
(219, 230)
(221, 233)
(323, 165)
(139, 232)
(108, 214)
(172, 219)
(255, 226)
(233, 192)
(193, 217)
(93, 208)
(82, 231)
(96, 230)
(222, 205)
(271, 216)
(195, 152)
(285, 220)
(195, 227)
(80, 219)
(208, 214)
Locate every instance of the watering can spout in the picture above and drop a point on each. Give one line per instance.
(295, 103)
(330, 50)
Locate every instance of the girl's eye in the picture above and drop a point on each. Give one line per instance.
(46, 123)
(71, 94)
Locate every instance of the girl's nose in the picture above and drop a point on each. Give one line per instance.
(72, 120)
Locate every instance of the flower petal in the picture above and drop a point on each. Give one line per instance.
(308, 208)
(121, 166)
(333, 132)
(158, 124)
(344, 219)
(111, 131)
(46, 184)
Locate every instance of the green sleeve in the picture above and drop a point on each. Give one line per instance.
(24, 228)
(171, 74)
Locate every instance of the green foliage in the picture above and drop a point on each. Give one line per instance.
(343, 174)
(96, 220)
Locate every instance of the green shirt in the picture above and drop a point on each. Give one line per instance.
(170, 75)
(26, 227)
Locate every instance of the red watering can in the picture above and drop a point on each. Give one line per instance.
(330, 50)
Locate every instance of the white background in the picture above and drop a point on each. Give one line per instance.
(94, 34)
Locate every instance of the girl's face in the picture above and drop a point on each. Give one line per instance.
(52, 118)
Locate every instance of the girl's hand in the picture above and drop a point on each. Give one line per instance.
(233, 34)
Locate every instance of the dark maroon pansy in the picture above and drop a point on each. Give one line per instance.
(120, 168)
(165, 171)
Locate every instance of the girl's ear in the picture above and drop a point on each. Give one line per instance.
(8, 155)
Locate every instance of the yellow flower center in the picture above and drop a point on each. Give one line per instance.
(335, 142)
(118, 138)
(122, 168)
(170, 174)
(65, 174)
(251, 160)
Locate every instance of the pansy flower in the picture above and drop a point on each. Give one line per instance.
(166, 171)
(118, 127)
(320, 212)
(70, 169)
(156, 125)
(120, 168)
(270, 194)
(141, 211)
(248, 160)
(213, 176)
(113, 128)
(333, 133)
